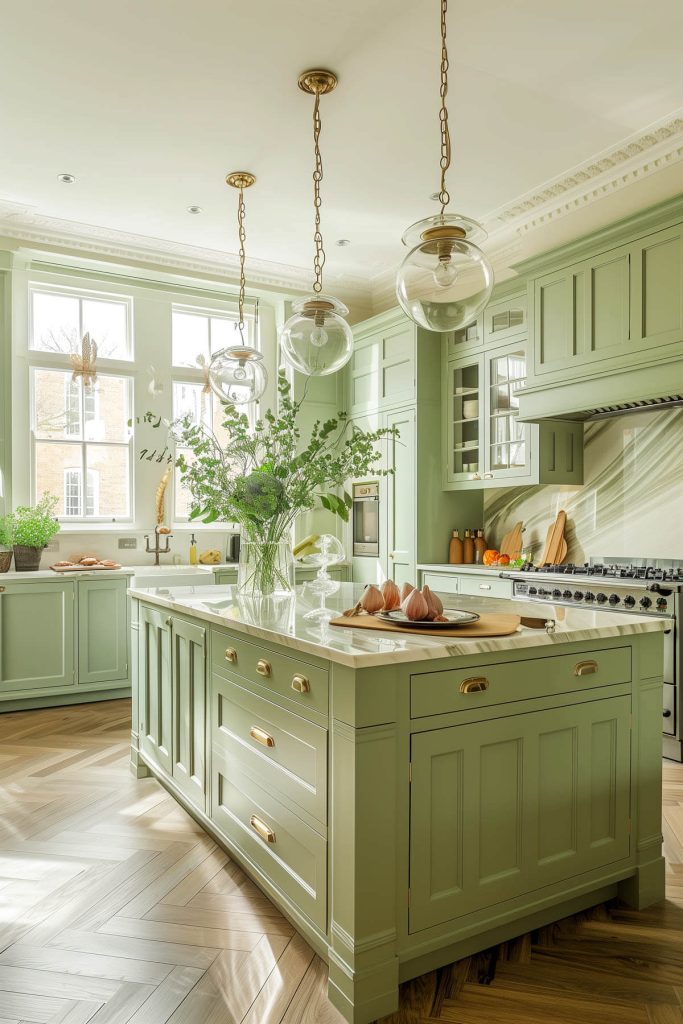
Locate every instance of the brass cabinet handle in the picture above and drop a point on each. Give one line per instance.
(488, 476)
(301, 684)
(475, 684)
(585, 668)
(169, 621)
(263, 667)
(230, 654)
(261, 736)
(2, 590)
(484, 586)
(262, 829)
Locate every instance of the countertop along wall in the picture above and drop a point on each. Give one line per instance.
(630, 505)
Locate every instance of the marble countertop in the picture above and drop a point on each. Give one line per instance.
(485, 570)
(49, 574)
(284, 623)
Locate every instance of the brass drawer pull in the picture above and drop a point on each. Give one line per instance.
(585, 668)
(484, 586)
(263, 667)
(475, 684)
(169, 621)
(301, 684)
(261, 736)
(230, 654)
(2, 590)
(261, 829)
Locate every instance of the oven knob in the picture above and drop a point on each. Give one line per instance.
(666, 713)
(589, 596)
(601, 598)
(557, 592)
(629, 601)
(532, 590)
(614, 599)
(542, 592)
(645, 602)
(578, 595)
(661, 604)
(567, 595)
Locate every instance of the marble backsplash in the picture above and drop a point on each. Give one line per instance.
(631, 502)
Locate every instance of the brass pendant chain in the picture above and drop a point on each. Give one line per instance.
(445, 162)
(319, 258)
(241, 211)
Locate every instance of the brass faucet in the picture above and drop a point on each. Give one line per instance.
(157, 550)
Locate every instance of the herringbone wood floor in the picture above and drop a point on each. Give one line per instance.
(115, 907)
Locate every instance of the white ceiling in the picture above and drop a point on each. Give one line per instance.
(150, 102)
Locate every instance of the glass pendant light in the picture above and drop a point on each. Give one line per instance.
(317, 340)
(445, 281)
(236, 373)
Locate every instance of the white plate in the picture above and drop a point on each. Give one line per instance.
(453, 615)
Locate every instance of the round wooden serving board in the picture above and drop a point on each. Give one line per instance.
(488, 625)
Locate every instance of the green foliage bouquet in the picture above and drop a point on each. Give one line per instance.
(264, 476)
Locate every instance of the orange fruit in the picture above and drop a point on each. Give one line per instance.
(491, 556)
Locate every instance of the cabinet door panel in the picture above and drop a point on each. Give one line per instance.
(36, 638)
(400, 488)
(188, 657)
(559, 313)
(658, 289)
(102, 631)
(609, 302)
(398, 365)
(154, 680)
(504, 807)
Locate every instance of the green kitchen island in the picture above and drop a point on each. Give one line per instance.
(407, 800)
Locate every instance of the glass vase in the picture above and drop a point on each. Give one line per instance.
(265, 569)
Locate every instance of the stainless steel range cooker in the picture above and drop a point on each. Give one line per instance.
(647, 587)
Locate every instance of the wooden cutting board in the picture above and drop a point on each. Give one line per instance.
(511, 543)
(84, 568)
(487, 625)
(555, 545)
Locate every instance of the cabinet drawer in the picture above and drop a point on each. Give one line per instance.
(441, 584)
(436, 693)
(290, 678)
(289, 853)
(483, 586)
(283, 751)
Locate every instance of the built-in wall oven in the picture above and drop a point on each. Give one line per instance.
(366, 519)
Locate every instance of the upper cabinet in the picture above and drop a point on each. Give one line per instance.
(382, 367)
(504, 319)
(606, 326)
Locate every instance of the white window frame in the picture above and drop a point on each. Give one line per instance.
(82, 294)
(82, 445)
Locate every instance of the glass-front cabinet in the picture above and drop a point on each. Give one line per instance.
(485, 443)
(508, 442)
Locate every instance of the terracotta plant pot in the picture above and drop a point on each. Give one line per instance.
(5, 560)
(26, 559)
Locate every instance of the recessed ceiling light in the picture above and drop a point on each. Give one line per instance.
(194, 209)
(67, 179)
(343, 241)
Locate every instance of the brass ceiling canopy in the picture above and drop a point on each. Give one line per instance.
(240, 179)
(318, 80)
(434, 234)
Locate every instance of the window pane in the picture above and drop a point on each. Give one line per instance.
(189, 400)
(106, 409)
(55, 322)
(56, 405)
(53, 461)
(223, 333)
(183, 499)
(108, 478)
(107, 324)
(190, 338)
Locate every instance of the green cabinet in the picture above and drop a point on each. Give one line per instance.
(102, 631)
(504, 807)
(172, 699)
(155, 696)
(382, 367)
(505, 318)
(400, 496)
(188, 709)
(485, 444)
(657, 290)
(37, 635)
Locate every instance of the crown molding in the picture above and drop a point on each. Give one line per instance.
(24, 224)
(609, 171)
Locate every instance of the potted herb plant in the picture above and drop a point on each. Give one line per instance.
(265, 475)
(6, 542)
(32, 527)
